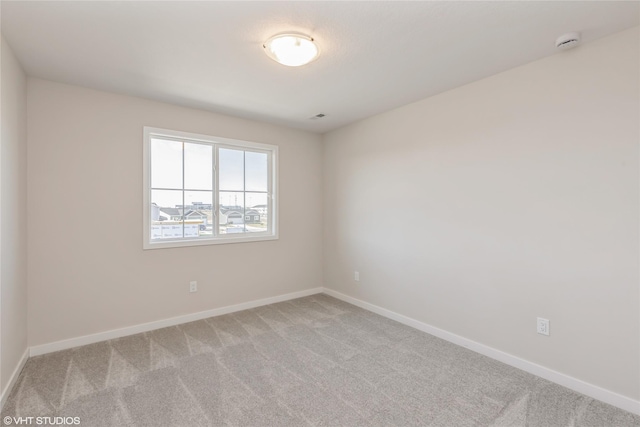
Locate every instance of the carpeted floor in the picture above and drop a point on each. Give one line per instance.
(310, 361)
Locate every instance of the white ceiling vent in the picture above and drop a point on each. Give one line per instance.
(567, 41)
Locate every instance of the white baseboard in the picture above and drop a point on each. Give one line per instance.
(145, 327)
(14, 378)
(572, 383)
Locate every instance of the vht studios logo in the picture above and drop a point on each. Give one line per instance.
(39, 421)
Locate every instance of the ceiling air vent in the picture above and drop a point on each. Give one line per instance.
(567, 41)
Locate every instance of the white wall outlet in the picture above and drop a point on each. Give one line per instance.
(543, 326)
(356, 276)
(193, 286)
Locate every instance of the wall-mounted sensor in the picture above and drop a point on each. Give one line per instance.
(567, 41)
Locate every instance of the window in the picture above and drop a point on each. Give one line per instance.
(202, 190)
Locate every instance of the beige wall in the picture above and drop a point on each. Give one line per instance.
(513, 197)
(13, 221)
(87, 270)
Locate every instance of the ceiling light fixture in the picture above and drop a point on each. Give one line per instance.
(292, 50)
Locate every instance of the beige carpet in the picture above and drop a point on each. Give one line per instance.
(310, 361)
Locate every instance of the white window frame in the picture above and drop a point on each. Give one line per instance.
(217, 142)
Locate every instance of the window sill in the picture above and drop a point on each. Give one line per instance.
(206, 242)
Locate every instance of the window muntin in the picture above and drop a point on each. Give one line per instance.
(206, 190)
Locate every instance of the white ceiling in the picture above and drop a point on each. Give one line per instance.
(374, 55)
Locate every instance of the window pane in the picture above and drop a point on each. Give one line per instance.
(198, 217)
(198, 167)
(231, 212)
(256, 212)
(166, 214)
(256, 171)
(196, 183)
(231, 163)
(166, 164)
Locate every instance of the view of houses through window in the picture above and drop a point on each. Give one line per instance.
(204, 190)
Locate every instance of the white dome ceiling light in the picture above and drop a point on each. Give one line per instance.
(567, 41)
(292, 50)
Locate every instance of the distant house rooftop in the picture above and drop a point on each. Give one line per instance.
(172, 211)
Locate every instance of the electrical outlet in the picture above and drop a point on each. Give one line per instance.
(193, 286)
(543, 326)
(356, 276)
